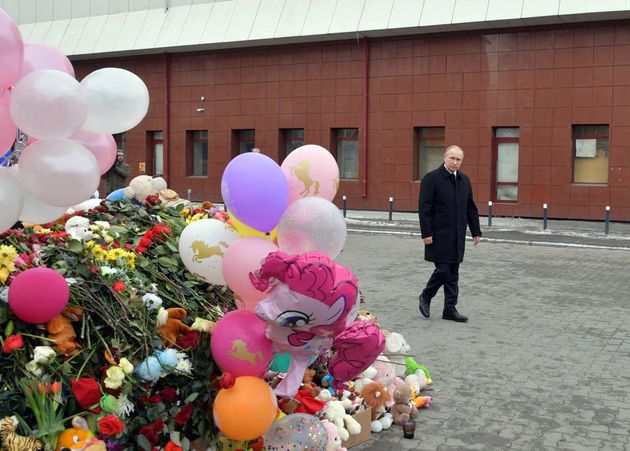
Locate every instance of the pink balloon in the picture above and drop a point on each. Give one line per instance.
(11, 51)
(38, 56)
(102, 146)
(239, 345)
(247, 304)
(37, 295)
(241, 258)
(311, 171)
(7, 127)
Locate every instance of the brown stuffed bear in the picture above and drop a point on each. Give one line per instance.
(403, 409)
(60, 330)
(174, 327)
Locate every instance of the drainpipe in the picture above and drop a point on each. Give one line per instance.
(167, 116)
(366, 79)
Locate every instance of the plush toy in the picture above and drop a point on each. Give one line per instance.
(396, 349)
(377, 397)
(386, 375)
(417, 381)
(365, 378)
(60, 330)
(79, 438)
(413, 367)
(366, 315)
(143, 186)
(170, 198)
(173, 327)
(11, 441)
(403, 408)
(346, 425)
(334, 440)
(78, 228)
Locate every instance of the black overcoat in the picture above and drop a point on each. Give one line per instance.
(446, 207)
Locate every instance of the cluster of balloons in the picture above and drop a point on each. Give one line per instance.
(70, 124)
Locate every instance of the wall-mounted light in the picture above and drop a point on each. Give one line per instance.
(201, 108)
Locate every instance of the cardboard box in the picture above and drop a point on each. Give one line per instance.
(364, 418)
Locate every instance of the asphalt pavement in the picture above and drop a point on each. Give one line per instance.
(543, 363)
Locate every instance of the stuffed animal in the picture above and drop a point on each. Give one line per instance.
(346, 425)
(79, 438)
(60, 330)
(366, 315)
(396, 349)
(173, 327)
(334, 441)
(78, 228)
(170, 198)
(365, 378)
(413, 367)
(377, 397)
(417, 381)
(143, 186)
(386, 375)
(403, 408)
(11, 441)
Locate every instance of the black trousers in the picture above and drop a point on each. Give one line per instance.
(446, 275)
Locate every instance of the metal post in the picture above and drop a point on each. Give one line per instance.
(489, 213)
(344, 200)
(391, 207)
(607, 219)
(544, 216)
(189, 195)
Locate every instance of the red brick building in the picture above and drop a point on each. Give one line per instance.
(542, 112)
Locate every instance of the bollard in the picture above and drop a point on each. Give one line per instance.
(489, 213)
(607, 219)
(544, 216)
(189, 195)
(344, 202)
(391, 207)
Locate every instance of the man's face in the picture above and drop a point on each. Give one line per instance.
(120, 156)
(453, 159)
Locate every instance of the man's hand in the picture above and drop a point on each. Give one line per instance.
(428, 240)
(476, 240)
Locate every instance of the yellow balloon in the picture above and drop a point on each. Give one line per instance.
(245, 230)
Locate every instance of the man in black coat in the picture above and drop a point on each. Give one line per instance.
(446, 207)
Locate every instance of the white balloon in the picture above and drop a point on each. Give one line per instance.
(59, 172)
(10, 200)
(48, 104)
(118, 100)
(312, 224)
(34, 211)
(202, 245)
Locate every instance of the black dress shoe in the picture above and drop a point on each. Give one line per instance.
(454, 315)
(424, 306)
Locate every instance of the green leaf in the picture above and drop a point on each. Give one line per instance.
(75, 246)
(143, 443)
(191, 398)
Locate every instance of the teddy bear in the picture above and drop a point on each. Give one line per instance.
(61, 331)
(386, 375)
(173, 327)
(366, 315)
(403, 408)
(79, 438)
(365, 378)
(376, 396)
(78, 228)
(334, 440)
(396, 349)
(143, 186)
(336, 414)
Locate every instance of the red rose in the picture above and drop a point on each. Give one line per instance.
(87, 392)
(154, 399)
(150, 434)
(158, 425)
(169, 394)
(110, 425)
(119, 286)
(184, 414)
(12, 343)
(190, 340)
(171, 446)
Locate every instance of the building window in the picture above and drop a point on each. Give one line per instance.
(590, 153)
(346, 141)
(243, 141)
(428, 150)
(505, 150)
(291, 139)
(197, 150)
(156, 152)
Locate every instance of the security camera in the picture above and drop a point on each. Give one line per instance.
(201, 110)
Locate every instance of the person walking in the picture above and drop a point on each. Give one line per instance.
(445, 208)
(116, 176)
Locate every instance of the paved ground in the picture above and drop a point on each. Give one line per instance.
(544, 363)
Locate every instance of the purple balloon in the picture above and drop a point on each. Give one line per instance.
(255, 190)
